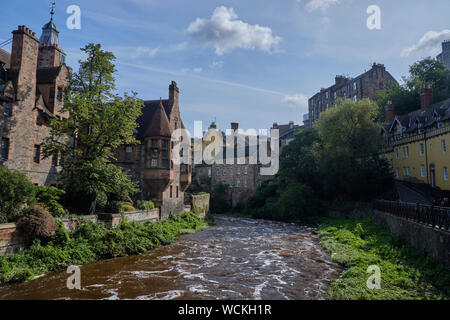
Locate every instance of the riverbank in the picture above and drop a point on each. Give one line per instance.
(93, 242)
(406, 273)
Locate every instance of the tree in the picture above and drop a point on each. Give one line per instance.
(220, 200)
(349, 143)
(406, 97)
(99, 122)
(17, 194)
(297, 163)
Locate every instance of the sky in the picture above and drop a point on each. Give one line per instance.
(253, 62)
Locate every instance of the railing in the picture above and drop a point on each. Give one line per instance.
(400, 139)
(436, 217)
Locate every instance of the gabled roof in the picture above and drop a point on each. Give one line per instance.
(5, 57)
(47, 74)
(154, 120)
(426, 118)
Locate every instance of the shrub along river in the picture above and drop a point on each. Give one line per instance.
(237, 258)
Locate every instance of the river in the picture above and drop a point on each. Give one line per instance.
(235, 259)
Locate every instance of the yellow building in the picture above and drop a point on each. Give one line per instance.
(416, 143)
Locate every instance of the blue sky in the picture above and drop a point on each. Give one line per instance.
(250, 61)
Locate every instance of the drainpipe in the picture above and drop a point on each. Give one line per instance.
(427, 169)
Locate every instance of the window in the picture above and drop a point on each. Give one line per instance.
(177, 192)
(8, 110)
(39, 118)
(165, 154)
(238, 170)
(55, 160)
(407, 172)
(61, 159)
(328, 106)
(445, 174)
(396, 153)
(231, 171)
(405, 152)
(60, 94)
(335, 95)
(183, 168)
(355, 99)
(238, 183)
(37, 154)
(171, 191)
(397, 172)
(231, 183)
(422, 149)
(327, 95)
(5, 149)
(422, 171)
(444, 147)
(217, 172)
(154, 155)
(128, 153)
(245, 170)
(245, 184)
(354, 86)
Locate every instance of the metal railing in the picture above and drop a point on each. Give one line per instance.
(436, 217)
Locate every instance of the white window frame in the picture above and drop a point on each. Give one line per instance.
(422, 149)
(445, 174)
(422, 171)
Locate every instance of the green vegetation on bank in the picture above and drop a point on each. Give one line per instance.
(92, 242)
(406, 273)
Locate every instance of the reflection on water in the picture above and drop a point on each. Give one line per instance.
(235, 259)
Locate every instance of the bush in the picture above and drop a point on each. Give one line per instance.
(157, 203)
(38, 224)
(298, 203)
(220, 202)
(114, 207)
(51, 197)
(127, 207)
(17, 194)
(145, 205)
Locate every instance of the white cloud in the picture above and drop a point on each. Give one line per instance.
(195, 70)
(429, 43)
(322, 5)
(296, 100)
(217, 64)
(224, 33)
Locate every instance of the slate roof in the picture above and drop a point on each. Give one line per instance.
(145, 121)
(48, 74)
(425, 118)
(5, 57)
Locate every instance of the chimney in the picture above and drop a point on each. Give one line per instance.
(340, 79)
(291, 124)
(390, 114)
(426, 96)
(173, 93)
(24, 57)
(275, 125)
(234, 126)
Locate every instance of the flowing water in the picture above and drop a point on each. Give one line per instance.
(235, 259)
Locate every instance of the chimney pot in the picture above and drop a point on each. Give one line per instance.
(234, 126)
(390, 113)
(426, 96)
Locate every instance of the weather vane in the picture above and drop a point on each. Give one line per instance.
(52, 3)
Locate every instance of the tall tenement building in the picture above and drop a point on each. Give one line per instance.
(445, 55)
(33, 78)
(363, 86)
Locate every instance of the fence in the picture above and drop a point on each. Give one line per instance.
(436, 217)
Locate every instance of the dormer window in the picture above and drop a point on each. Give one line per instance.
(8, 110)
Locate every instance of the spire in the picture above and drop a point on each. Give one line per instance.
(49, 32)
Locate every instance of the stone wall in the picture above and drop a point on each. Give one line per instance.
(12, 240)
(434, 242)
(201, 204)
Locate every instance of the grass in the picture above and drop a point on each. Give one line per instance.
(92, 242)
(406, 273)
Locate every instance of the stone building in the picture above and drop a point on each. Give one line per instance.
(151, 162)
(242, 179)
(33, 78)
(287, 132)
(366, 85)
(416, 143)
(445, 55)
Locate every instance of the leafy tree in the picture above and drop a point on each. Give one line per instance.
(298, 202)
(220, 202)
(406, 97)
(100, 121)
(297, 163)
(17, 194)
(347, 151)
